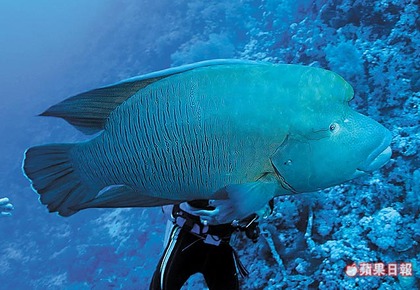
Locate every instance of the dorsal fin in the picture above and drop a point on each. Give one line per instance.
(89, 111)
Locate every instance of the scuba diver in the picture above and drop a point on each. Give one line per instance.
(195, 242)
(5, 207)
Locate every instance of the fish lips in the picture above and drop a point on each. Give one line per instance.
(377, 158)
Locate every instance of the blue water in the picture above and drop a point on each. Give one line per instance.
(50, 50)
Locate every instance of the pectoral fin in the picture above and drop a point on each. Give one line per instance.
(246, 199)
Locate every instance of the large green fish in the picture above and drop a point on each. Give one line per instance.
(223, 129)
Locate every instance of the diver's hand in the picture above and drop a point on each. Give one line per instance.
(224, 212)
(5, 207)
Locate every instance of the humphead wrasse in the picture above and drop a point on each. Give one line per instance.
(222, 129)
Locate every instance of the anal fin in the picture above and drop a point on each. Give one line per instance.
(123, 196)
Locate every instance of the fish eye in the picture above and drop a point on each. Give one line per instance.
(333, 127)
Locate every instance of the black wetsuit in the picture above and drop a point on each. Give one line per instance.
(189, 251)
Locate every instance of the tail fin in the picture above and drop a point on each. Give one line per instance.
(53, 177)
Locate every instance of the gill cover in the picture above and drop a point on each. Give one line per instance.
(292, 165)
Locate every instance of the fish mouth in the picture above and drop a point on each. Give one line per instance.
(377, 159)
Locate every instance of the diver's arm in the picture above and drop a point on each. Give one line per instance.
(5, 207)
